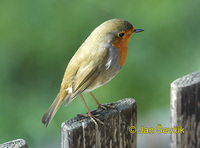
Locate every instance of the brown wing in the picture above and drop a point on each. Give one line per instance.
(83, 79)
(88, 70)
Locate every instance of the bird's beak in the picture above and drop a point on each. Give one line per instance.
(138, 30)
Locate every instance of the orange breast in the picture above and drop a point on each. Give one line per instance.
(122, 45)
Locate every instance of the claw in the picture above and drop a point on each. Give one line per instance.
(86, 115)
(105, 106)
(93, 118)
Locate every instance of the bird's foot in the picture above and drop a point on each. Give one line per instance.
(105, 106)
(93, 118)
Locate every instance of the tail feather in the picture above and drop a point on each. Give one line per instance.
(48, 116)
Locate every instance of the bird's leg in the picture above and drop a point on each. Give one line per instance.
(103, 106)
(97, 102)
(92, 117)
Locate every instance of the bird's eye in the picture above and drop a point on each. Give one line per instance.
(121, 34)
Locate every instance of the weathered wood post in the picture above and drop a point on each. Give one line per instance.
(19, 143)
(185, 111)
(81, 132)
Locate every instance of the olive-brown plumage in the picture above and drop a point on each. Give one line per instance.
(95, 63)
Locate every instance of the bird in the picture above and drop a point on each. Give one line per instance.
(96, 62)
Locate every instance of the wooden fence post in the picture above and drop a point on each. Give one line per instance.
(185, 111)
(19, 143)
(81, 132)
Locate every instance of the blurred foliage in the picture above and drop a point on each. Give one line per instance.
(38, 38)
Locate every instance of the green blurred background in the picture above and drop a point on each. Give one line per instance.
(38, 38)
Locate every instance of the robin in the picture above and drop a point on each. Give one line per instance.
(95, 63)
